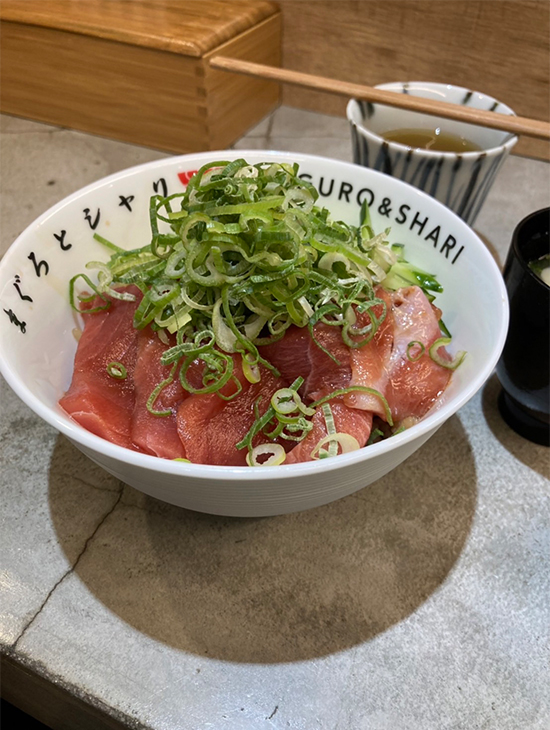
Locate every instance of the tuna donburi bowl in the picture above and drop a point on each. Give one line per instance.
(249, 333)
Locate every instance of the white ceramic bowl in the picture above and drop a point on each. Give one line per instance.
(37, 345)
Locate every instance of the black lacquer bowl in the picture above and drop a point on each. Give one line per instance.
(524, 367)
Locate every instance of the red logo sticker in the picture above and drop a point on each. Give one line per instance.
(186, 176)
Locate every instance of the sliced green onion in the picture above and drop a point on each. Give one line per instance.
(254, 326)
(225, 337)
(107, 243)
(155, 394)
(274, 452)
(331, 431)
(251, 369)
(238, 389)
(436, 357)
(244, 253)
(375, 435)
(163, 337)
(406, 423)
(287, 400)
(117, 370)
(163, 292)
(83, 298)
(262, 422)
(443, 328)
(345, 441)
(404, 274)
(411, 346)
(298, 197)
(218, 372)
(320, 346)
(357, 389)
(283, 401)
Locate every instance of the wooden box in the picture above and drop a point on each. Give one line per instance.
(137, 70)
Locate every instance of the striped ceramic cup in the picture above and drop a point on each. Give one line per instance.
(460, 180)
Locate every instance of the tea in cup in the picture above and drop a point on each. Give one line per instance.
(452, 161)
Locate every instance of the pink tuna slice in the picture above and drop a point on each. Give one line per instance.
(206, 428)
(156, 435)
(210, 427)
(355, 422)
(297, 354)
(410, 388)
(97, 401)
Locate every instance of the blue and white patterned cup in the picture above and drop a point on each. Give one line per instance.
(460, 180)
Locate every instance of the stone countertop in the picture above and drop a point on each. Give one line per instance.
(418, 603)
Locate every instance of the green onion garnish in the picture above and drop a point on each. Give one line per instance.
(236, 259)
(117, 370)
(284, 418)
(375, 436)
(419, 349)
(273, 454)
(357, 389)
(436, 357)
(345, 441)
(244, 253)
(332, 450)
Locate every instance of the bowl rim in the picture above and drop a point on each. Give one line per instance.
(207, 472)
(507, 145)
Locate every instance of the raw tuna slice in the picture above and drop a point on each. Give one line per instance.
(414, 386)
(297, 354)
(100, 403)
(290, 355)
(210, 427)
(410, 388)
(326, 375)
(157, 435)
(371, 363)
(347, 420)
(195, 414)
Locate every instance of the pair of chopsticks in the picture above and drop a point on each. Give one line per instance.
(505, 123)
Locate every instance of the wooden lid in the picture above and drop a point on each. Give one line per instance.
(187, 27)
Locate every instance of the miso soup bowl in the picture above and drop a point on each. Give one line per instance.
(37, 345)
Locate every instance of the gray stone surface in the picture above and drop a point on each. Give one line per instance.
(419, 603)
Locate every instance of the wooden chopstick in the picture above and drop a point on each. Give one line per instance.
(503, 122)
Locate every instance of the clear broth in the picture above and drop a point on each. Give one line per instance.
(431, 139)
(541, 268)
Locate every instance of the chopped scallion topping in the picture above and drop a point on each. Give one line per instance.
(117, 370)
(419, 350)
(436, 357)
(243, 254)
(236, 259)
(271, 455)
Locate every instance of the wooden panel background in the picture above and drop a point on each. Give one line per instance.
(500, 47)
